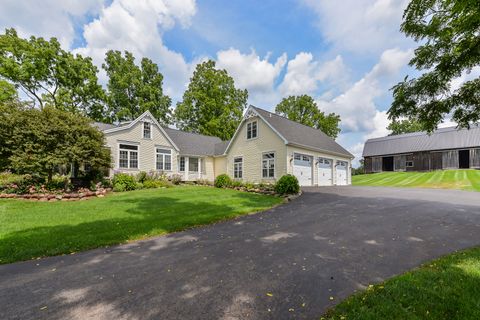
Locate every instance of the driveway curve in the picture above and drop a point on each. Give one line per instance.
(290, 262)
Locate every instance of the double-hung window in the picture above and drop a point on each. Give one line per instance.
(164, 159)
(147, 130)
(238, 168)
(252, 130)
(182, 164)
(268, 165)
(128, 156)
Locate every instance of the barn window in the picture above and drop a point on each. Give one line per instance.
(147, 130)
(409, 164)
(238, 168)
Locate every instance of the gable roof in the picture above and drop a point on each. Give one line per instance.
(195, 144)
(297, 134)
(441, 139)
(128, 125)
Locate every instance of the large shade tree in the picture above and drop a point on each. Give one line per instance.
(304, 109)
(132, 89)
(211, 105)
(51, 76)
(448, 31)
(34, 140)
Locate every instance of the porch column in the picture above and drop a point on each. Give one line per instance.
(186, 169)
(199, 168)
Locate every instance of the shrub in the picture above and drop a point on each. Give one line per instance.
(287, 184)
(152, 184)
(249, 186)
(223, 181)
(139, 186)
(126, 180)
(119, 187)
(142, 176)
(237, 184)
(58, 182)
(176, 179)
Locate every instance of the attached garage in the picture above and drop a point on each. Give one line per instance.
(303, 169)
(341, 173)
(325, 172)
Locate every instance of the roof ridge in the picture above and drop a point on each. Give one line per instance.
(299, 123)
(424, 133)
(192, 133)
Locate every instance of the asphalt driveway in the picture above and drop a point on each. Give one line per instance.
(285, 263)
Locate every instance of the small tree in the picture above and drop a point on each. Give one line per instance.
(39, 141)
(211, 105)
(304, 109)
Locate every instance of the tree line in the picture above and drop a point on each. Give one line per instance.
(47, 75)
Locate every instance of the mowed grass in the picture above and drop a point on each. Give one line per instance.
(447, 288)
(36, 229)
(441, 179)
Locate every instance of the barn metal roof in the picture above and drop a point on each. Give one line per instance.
(441, 139)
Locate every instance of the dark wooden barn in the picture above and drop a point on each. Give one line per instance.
(446, 148)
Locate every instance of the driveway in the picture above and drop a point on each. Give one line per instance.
(285, 263)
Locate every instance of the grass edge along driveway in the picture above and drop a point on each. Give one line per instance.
(440, 179)
(446, 288)
(30, 229)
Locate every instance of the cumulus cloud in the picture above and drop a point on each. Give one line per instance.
(250, 71)
(361, 26)
(138, 26)
(304, 74)
(357, 105)
(30, 17)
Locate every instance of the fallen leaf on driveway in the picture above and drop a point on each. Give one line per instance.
(269, 294)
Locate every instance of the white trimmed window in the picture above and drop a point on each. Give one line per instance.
(268, 165)
(147, 130)
(182, 164)
(164, 159)
(193, 164)
(252, 131)
(238, 168)
(128, 156)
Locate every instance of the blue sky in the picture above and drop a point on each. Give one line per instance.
(346, 54)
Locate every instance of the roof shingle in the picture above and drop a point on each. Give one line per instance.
(301, 135)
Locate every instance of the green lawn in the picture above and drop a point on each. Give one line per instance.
(35, 229)
(447, 288)
(444, 179)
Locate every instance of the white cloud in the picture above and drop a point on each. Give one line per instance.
(304, 74)
(48, 18)
(362, 26)
(357, 105)
(138, 26)
(251, 72)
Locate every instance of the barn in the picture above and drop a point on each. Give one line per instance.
(445, 148)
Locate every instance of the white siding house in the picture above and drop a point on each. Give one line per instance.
(264, 147)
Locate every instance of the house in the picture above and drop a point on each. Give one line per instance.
(264, 147)
(446, 148)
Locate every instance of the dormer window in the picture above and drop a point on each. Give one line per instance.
(252, 130)
(147, 130)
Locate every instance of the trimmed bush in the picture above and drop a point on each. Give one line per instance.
(142, 176)
(176, 179)
(223, 181)
(152, 184)
(287, 184)
(126, 180)
(119, 187)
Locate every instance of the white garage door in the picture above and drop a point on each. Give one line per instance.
(341, 175)
(325, 172)
(302, 169)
